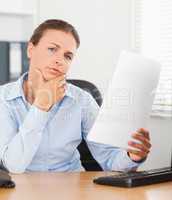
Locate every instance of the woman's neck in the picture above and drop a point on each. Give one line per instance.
(28, 91)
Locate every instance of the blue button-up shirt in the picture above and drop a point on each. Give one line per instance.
(35, 140)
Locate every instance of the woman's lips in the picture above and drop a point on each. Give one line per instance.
(54, 71)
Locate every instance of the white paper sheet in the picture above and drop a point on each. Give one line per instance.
(128, 101)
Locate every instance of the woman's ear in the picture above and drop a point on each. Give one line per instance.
(30, 47)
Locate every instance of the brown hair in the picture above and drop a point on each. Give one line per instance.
(55, 24)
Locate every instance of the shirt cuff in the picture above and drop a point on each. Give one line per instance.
(124, 163)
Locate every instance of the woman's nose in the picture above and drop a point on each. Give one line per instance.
(59, 60)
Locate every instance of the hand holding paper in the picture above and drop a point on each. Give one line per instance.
(128, 101)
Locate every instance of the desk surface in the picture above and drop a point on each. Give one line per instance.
(78, 186)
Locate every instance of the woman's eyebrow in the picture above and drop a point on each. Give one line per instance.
(58, 46)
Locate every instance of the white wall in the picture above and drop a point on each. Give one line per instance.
(161, 138)
(104, 30)
(17, 19)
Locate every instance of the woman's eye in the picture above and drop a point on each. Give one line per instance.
(68, 57)
(52, 49)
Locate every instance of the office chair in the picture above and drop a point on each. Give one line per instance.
(87, 160)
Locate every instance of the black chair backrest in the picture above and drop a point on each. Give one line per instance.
(87, 160)
(89, 87)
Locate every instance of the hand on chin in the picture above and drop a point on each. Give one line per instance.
(50, 76)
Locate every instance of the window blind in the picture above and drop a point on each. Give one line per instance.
(153, 38)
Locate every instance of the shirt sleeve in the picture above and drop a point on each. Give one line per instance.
(109, 157)
(18, 145)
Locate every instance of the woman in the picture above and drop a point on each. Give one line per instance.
(43, 118)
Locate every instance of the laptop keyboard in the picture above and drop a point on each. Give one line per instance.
(132, 179)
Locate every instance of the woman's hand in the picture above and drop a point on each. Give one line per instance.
(47, 93)
(142, 147)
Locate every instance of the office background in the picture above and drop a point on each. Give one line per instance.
(105, 28)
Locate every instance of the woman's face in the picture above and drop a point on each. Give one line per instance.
(53, 54)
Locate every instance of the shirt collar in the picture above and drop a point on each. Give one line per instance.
(17, 89)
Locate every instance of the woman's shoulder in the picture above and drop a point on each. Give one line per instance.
(6, 90)
(77, 92)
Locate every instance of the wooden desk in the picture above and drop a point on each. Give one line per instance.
(78, 186)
